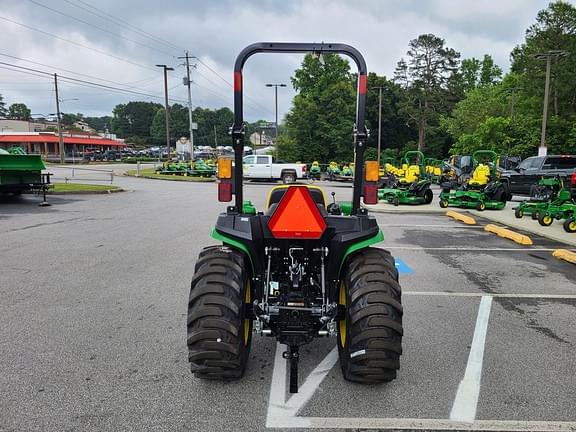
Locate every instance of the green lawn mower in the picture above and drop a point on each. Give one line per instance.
(200, 168)
(174, 168)
(481, 191)
(413, 188)
(563, 207)
(541, 195)
(315, 172)
(298, 270)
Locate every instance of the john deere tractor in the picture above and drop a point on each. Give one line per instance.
(298, 270)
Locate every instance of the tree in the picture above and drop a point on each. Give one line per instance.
(320, 124)
(3, 111)
(19, 111)
(134, 119)
(425, 77)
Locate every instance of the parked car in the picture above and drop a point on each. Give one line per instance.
(264, 167)
(520, 180)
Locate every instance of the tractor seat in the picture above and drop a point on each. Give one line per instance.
(277, 192)
(481, 176)
(412, 174)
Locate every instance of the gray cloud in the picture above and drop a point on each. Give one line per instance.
(216, 31)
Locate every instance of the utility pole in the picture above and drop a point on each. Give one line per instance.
(548, 56)
(379, 121)
(188, 83)
(215, 137)
(276, 110)
(166, 106)
(58, 122)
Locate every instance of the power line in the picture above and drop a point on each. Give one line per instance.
(74, 43)
(106, 16)
(99, 28)
(36, 72)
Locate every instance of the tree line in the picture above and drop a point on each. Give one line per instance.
(441, 104)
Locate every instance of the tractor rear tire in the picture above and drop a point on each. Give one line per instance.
(219, 333)
(370, 336)
(570, 225)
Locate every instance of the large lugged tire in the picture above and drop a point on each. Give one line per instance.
(219, 335)
(370, 336)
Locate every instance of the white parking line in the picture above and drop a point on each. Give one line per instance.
(466, 402)
(283, 413)
(469, 249)
(479, 294)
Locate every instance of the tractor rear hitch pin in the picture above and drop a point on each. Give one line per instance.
(293, 356)
(267, 290)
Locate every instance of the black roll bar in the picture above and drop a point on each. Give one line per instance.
(360, 134)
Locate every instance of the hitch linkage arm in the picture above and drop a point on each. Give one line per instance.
(292, 355)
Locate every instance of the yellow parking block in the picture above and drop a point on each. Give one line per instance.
(565, 255)
(506, 233)
(469, 220)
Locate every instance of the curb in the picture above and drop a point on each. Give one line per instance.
(468, 220)
(100, 192)
(509, 234)
(565, 255)
(207, 179)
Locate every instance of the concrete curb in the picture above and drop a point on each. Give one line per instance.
(509, 234)
(565, 255)
(100, 192)
(468, 220)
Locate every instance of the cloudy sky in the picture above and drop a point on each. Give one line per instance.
(118, 42)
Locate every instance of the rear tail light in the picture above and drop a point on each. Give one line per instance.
(304, 169)
(225, 191)
(371, 194)
(573, 179)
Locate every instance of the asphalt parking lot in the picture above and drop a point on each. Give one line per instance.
(92, 326)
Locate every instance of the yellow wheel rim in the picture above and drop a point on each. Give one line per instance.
(572, 226)
(547, 220)
(342, 323)
(247, 300)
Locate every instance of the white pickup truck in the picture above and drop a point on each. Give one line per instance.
(263, 167)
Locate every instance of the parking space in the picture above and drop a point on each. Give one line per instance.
(92, 327)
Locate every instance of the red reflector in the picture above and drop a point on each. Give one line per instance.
(573, 179)
(237, 81)
(224, 191)
(297, 216)
(371, 194)
(362, 84)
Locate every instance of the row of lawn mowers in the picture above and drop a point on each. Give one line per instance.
(410, 183)
(550, 200)
(198, 168)
(334, 171)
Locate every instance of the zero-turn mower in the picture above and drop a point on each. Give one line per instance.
(413, 187)
(300, 269)
(481, 191)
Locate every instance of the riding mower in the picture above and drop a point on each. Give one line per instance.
(410, 189)
(481, 191)
(541, 195)
(300, 269)
(174, 168)
(201, 169)
(333, 170)
(315, 172)
(563, 207)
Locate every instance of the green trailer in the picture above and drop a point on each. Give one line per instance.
(20, 172)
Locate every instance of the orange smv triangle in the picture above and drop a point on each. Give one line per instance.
(297, 216)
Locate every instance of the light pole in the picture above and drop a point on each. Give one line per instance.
(548, 56)
(166, 69)
(276, 110)
(379, 121)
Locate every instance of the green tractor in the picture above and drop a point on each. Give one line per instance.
(413, 187)
(481, 191)
(298, 270)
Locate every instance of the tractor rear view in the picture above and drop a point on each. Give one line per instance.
(300, 269)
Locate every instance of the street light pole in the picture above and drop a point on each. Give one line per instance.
(60, 137)
(548, 56)
(166, 107)
(276, 111)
